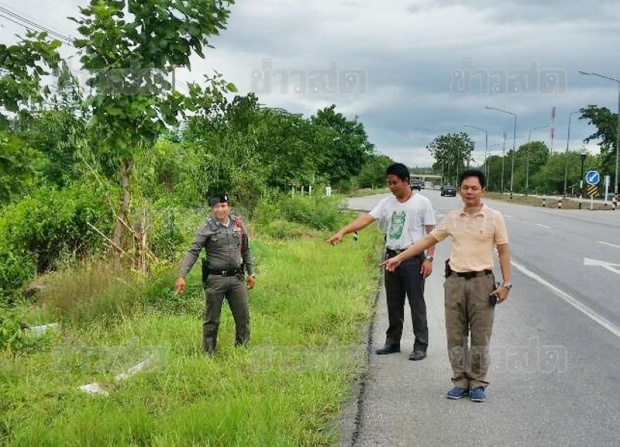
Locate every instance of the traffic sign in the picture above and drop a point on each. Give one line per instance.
(592, 190)
(592, 178)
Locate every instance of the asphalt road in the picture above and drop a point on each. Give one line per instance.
(555, 374)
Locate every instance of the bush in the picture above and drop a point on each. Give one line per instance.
(39, 229)
(12, 334)
(167, 236)
(282, 229)
(16, 267)
(318, 213)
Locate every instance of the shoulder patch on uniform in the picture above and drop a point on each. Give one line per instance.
(212, 224)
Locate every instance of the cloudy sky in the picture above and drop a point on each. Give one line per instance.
(411, 70)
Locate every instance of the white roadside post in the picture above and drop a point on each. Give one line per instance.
(607, 180)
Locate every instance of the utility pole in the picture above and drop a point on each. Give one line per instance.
(503, 157)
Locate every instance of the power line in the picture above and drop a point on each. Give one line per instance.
(31, 25)
(15, 14)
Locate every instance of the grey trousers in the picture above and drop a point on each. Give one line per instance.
(234, 290)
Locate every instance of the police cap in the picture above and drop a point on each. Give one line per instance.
(219, 198)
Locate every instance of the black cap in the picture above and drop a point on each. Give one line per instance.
(220, 198)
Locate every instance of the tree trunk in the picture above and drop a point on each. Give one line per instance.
(126, 168)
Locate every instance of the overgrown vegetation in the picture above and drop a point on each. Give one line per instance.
(286, 388)
(101, 190)
(112, 166)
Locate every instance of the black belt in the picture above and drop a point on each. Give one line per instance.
(391, 253)
(236, 272)
(469, 275)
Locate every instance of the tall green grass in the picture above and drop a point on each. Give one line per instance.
(284, 389)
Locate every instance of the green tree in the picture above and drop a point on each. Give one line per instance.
(373, 172)
(530, 158)
(550, 178)
(344, 145)
(58, 131)
(130, 60)
(452, 153)
(606, 124)
(22, 67)
(494, 178)
(245, 147)
(16, 167)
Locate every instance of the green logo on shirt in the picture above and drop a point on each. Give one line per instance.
(397, 224)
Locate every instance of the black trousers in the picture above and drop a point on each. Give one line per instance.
(407, 281)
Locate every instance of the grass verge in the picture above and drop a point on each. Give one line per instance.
(285, 389)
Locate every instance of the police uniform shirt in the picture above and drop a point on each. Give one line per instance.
(227, 247)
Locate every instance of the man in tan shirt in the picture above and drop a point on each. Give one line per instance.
(470, 292)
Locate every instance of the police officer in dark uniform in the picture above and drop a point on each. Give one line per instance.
(225, 240)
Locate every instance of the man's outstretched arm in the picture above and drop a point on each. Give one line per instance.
(358, 224)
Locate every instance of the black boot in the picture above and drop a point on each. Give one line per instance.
(209, 340)
(388, 349)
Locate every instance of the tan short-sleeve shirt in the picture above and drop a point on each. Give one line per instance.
(473, 238)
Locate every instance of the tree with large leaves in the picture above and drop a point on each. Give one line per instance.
(130, 48)
(22, 68)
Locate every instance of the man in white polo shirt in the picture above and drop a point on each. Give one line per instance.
(405, 217)
(470, 292)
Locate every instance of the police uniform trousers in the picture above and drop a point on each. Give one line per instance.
(406, 280)
(468, 312)
(234, 290)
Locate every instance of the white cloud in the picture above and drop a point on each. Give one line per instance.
(408, 53)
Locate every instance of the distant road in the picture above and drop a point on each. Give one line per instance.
(555, 347)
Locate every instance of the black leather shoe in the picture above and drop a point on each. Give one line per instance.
(388, 349)
(417, 355)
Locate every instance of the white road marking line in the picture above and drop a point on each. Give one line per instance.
(508, 216)
(544, 226)
(572, 301)
(606, 265)
(607, 243)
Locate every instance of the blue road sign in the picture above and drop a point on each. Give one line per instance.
(592, 178)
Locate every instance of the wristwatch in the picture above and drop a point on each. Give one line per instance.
(429, 258)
